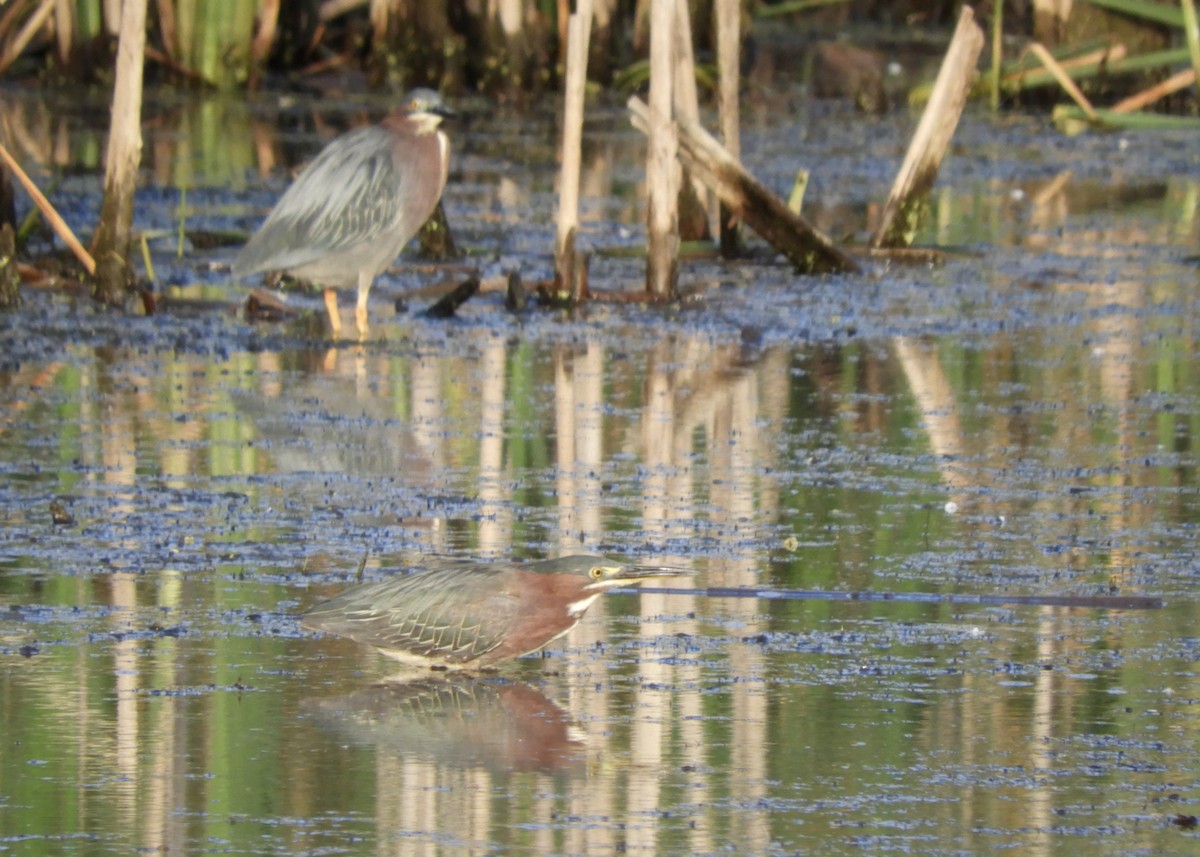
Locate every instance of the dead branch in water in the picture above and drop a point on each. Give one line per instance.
(810, 250)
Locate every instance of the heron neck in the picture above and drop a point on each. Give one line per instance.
(424, 124)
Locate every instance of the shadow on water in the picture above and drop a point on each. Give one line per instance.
(1018, 421)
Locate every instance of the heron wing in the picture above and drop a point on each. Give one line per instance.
(457, 612)
(348, 196)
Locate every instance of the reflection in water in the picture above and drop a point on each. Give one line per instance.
(219, 491)
(457, 721)
(709, 724)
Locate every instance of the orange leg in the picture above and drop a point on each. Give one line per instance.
(360, 307)
(331, 307)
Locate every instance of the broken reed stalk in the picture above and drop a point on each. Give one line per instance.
(662, 168)
(933, 135)
(578, 31)
(112, 239)
(804, 245)
(728, 15)
(60, 227)
(1064, 79)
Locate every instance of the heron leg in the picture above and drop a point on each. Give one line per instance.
(360, 308)
(331, 307)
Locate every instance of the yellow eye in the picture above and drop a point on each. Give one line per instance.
(596, 573)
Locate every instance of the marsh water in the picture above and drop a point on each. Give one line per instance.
(1016, 420)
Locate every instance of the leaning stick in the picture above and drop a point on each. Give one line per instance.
(931, 140)
(1064, 79)
(57, 223)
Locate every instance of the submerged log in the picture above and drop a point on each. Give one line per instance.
(933, 135)
(810, 250)
(449, 303)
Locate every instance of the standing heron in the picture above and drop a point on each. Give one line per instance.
(475, 614)
(352, 210)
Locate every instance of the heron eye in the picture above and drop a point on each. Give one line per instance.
(596, 573)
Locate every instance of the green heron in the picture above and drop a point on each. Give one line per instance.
(352, 210)
(459, 614)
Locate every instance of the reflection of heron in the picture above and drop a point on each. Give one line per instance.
(352, 210)
(457, 720)
(476, 614)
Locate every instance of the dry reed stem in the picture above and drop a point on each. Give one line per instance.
(26, 34)
(1174, 83)
(1064, 79)
(59, 225)
(934, 132)
(662, 168)
(578, 31)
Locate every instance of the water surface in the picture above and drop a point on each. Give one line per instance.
(1018, 421)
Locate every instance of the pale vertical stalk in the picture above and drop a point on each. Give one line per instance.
(728, 15)
(687, 100)
(122, 159)
(64, 28)
(112, 17)
(685, 96)
(578, 27)
(511, 15)
(662, 169)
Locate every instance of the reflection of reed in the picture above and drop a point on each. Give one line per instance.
(579, 423)
(694, 389)
(457, 721)
(495, 495)
(938, 407)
